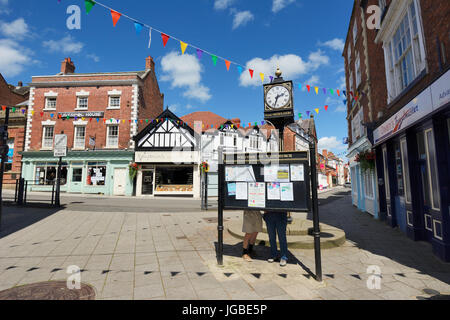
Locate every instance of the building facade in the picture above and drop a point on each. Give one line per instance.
(412, 135)
(100, 113)
(16, 98)
(364, 67)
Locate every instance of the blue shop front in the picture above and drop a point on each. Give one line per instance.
(413, 165)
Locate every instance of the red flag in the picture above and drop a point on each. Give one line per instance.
(165, 38)
(42, 114)
(339, 94)
(227, 64)
(3, 108)
(115, 17)
(308, 87)
(251, 73)
(326, 108)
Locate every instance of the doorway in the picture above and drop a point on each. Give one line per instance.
(147, 183)
(77, 180)
(120, 179)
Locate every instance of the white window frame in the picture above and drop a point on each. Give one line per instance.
(355, 30)
(358, 70)
(430, 177)
(416, 47)
(47, 106)
(386, 174)
(108, 139)
(78, 103)
(44, 134)
(405, 166)
(368, 184)
(75, 145)
(114, 107)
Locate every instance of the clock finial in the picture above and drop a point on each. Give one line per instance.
(278, 73)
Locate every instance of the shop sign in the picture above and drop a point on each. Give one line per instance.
(85, 114)
(440, 91)
(418, 108)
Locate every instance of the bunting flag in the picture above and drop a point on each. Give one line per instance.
(338, 93)
(183, 46)
(317, 110)
(317, 90)
(271, 79)
(115, 17)
(251, 73)
(228, 63)
(307, 113)
(308, 87)
(214, 59)
(199, 54)
(89, 4)
(300, 115)
(239, 69)
(138, 28)
(299, 86)
(165, 38)
(149, 37)
(331, 91)
(262, 77)
(324, 91)
(326, 108)
(344, 93)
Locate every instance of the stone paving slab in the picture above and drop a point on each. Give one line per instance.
(172, 256)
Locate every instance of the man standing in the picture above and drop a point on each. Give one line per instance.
(276, 224)
(251, 227)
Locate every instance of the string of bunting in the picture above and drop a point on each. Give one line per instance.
(139, 26)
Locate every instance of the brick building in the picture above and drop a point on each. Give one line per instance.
(16, 98)
(364, 67)
(100, 113)
(412, 131)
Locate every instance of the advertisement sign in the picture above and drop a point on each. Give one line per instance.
(440, 91)
(60, 146)
(85, 114)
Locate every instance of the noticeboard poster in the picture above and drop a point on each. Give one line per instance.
(281, 185)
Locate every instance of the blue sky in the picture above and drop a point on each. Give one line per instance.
(304, 37)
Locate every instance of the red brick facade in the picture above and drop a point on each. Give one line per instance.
(138, 90)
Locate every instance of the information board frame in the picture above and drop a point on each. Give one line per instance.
(257, 163)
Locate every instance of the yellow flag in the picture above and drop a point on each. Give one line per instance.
(262, 77)
(123, 121)
(32, 113)
(317, 90)
(317, 110)
(183, 46)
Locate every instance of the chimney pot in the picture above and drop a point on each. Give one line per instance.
(67, 66)
(149, 63)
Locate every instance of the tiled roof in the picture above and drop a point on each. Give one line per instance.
(208, 118)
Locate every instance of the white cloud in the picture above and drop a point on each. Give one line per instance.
(242, 18)
(331, 143)
(337, 104)
(4, 2)
(278, 5)
(15, 29)
(184, 71)
(65, 45)
(314, 80)
(291, 65)
(222, 4)
(335, 44)
(13, 58)
(93, 57)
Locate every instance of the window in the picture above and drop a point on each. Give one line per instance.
(174, 176)
(82, 103)
(382, 5)
(429, 173)
(47, 137)
(77, 174)
(358, 70)
(404, 52)
(386, 173)
(114, 102)
(235, 140)
(399, 171)
(50, 103)
(80, 137)
(46, 173)
(407, 183)
(96, 174)
(349, 54)
(355, 30)
(112, 139)
(351, 83)
(368, 184)
(357, 128)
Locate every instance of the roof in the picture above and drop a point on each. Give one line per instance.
(77, 74)
(208, 119)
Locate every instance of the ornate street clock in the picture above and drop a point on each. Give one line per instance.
(278, 99)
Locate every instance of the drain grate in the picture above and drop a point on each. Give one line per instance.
(51, 290)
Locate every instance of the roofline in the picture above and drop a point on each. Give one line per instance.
(124, 73)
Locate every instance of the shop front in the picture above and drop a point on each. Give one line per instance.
(84, 172)
(414, 148)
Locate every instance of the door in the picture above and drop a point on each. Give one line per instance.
(147, 183)
(400, 204)
(387, 186)
(120, 176)
(76, 180)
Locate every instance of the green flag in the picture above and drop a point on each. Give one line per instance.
(214, 59)
(89, 4)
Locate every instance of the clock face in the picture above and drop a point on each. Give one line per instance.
(278, 97)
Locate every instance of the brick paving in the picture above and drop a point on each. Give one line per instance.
(172, 256)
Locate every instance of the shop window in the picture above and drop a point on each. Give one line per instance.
(174, 176)
(399, 170)
(368, 184)
(423, 158)
(96, 174)
(46, 173)
(432, 163)
(386, 174)
(404, 150)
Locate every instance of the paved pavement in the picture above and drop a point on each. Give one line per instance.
(143, 254)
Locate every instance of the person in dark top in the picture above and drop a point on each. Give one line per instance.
(276, 224)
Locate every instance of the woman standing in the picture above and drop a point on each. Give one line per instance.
(251, 227)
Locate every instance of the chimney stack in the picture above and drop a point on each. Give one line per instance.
(20, 84)
(149, 63)
(325, 153)
(67, 66)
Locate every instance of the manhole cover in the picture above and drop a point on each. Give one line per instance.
(52, 290)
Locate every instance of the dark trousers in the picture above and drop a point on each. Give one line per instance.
(276, 224)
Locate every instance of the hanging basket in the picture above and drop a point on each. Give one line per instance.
(204, 166)
(132, 170)
(366, 160)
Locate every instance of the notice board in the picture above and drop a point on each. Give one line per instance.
(265, 181)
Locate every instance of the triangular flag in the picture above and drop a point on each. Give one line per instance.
(262, 77)
(199, 54)
(307, 113)
(115, 17)
(331, 91)
(149, 37)
(326, 108)
(239, 69)
(271, 79)
(317, 110)
(251, 73)
(317, 90)
(183, 46)
(138, 27)
(300, 115)
(165, 38)
(214, 59)
(3, 108)
(324, 91)
(300, 86)
(338, 93)
(308, 87)
(89, 4)
(227, 63)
